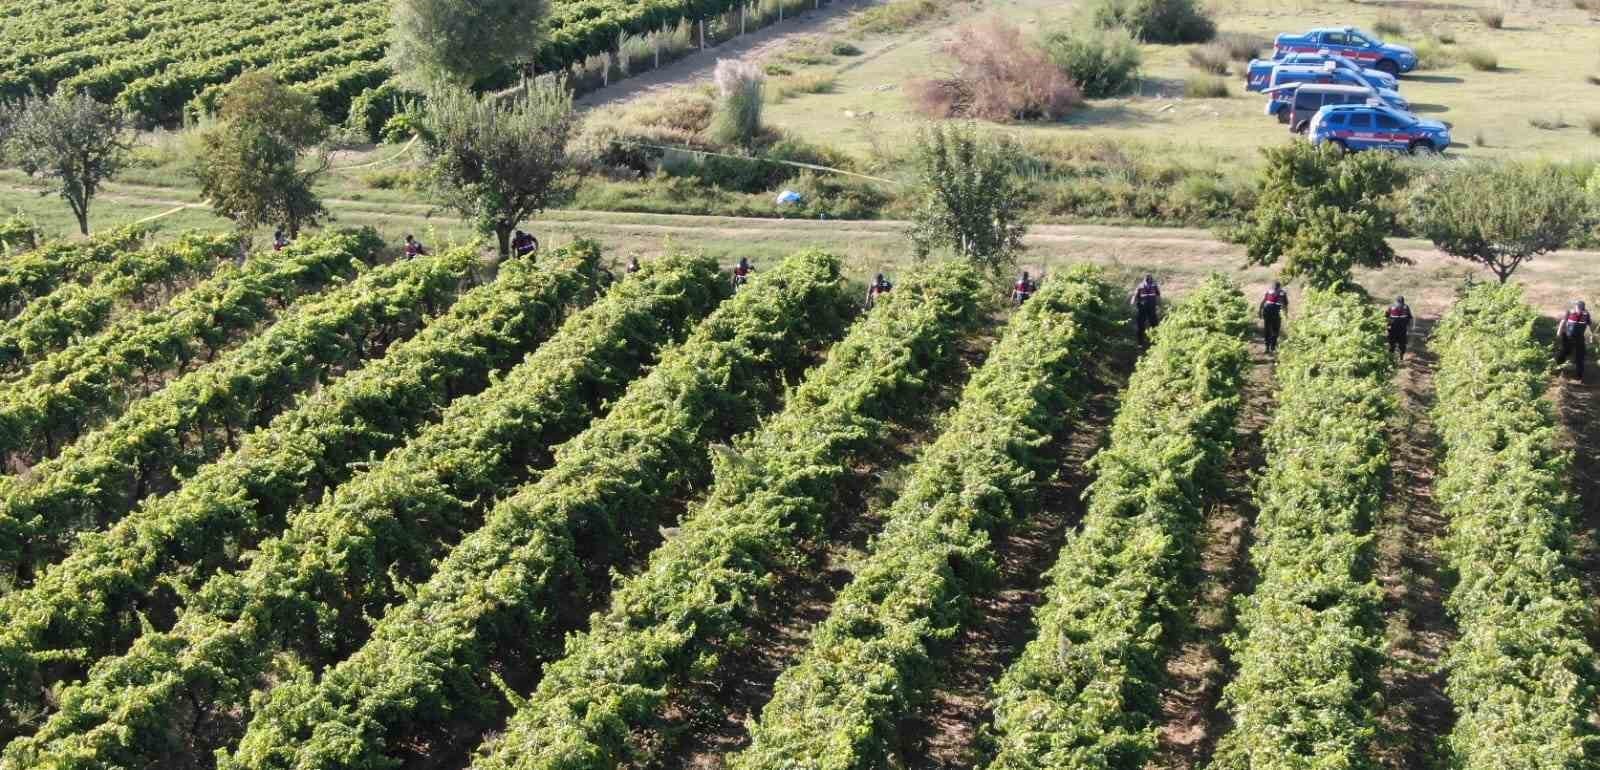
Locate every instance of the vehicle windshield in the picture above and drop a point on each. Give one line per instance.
(1405, 120)
(1360, 38)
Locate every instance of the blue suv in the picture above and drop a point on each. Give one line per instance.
(1374, 126)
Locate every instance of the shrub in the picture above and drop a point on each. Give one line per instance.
(895, 16)
(1200, 87)
(1481, 59)
(970, 197)
(1243, 46)
(1155, 21)
(1210, 58)
(1432, 56)
(1389, 25)
(1101, 62)
(17, 234)
(1492, 18)
(844, 48)
(1547, 123)
(1593, 121)
(1000, 76)
(804, 83)
(1444, 35)
(395, 179)
(738, 116)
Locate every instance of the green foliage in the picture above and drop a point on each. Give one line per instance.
(873, 659)
(249, 165)
(72, 390)
(498, 161)
(1323, 213)
(133, 276)
(309, 588)
(1522, 676)
(70, 139)
(1205, 87)
(31, 275)
(17, 234)
(461, 42)
(1102, 62)
(969, 196)
(1121, 580)
(1155, 21)
(1308, 647)
(774, 487)
(1498, 215)
(738, 117)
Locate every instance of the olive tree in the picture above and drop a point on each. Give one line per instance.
(250, 167)
(498, 161)
(1323, 213)
(69, 138)
(970, 197)
(1498, 215)
(459, 42)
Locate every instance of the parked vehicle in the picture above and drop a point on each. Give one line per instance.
(1258, 76)
(1358, 46)
(1326, 73)
(1303, 100)
(1374, 126)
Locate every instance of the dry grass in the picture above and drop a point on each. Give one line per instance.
(1205, 88)
(1493, 18)
(1211, 57)
(1481, 59)
(1389, 24)
(785, 88)
(1000, 75)
(1433, 56)
(1555, 123)
(1244, 46)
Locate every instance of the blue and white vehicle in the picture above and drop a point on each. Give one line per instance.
(1258, 77)
(1352, 43)
(1377, 127)
(1325, 73)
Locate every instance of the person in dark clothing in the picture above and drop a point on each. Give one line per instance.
(279, 240)
(1023, 289)
(1572, 334)
(414, 247)
(1399, 316)
(1274, 306)
(633, 265)
(880, 286)
(742, 273)
(1146, 301)
(523, 244)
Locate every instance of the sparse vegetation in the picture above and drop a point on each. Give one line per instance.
(1101, 62)
(1155, 21)
(895, 16)
(1243, 46)
(790, 86)
(739, 87)
(1200, 87)
(1593, 122)
(844, 48)
(1389, 25)
(1212, 58)
(1481, 59)
(1493, 18)
(999, 75)
(1549, 122)
(1433, 56)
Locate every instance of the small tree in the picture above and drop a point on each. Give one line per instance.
(1499, 215)
(1322, 213)
(1103, 62)
(1155, 21)
(250, 165)
(498, 162)
(459, 42)
(970, 196)
(738, 117)
(70, 138)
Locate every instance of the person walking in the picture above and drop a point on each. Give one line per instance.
(633, 265)
(414, 247)
(1399, 316)
(1573, 333)
(1023, 289)
(880, 286)
(742, 273)
(524, 244)
(1146, 301)
(1274, 306)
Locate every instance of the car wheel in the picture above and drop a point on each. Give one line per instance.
(1422, 147)
(1388, 67)
(1338, 144)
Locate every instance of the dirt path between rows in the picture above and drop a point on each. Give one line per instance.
(1192, 716)
(1412, 574)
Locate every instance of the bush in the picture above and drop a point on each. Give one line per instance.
(1210, 58)
(1547, 123)
(1155, 21)
(1000, 75)
(1243, 46)
(1432, 56)
(1444, 36)
(838, 197)
(738, 116)
(395, 179)
(1205, 88)
(1492, 18)
(1101, 62)
(804, 83)
(17, 234)
(895, 16)
(1389, 25)
(844, 48)
(1481, 59)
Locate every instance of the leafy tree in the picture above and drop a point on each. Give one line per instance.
(498, 161)
(250, 166)
(970, 196)
(1155, 21)
(70, 138)
(459, 42)
(1323, 213)
(1498, 215)
(1103, 62)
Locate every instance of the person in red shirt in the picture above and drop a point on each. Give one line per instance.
(742, 273)
(414, 248)
(1274, 305)
(1573, 333)
(279, 240)
(1399, 316)
(1023, 289)
(880, 286)
(1146, 301)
